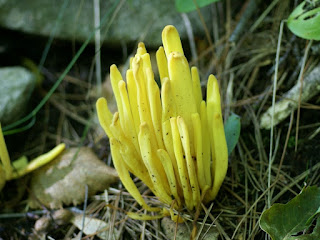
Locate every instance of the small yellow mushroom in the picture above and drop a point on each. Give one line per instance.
(172, 135)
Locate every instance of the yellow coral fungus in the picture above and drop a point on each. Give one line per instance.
(7, 172)
(171, 138)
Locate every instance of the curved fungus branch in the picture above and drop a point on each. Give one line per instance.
(7, 171)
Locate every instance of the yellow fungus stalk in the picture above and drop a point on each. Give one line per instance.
(40, 161)
(168, 136)
(4, 157)
(7, 172)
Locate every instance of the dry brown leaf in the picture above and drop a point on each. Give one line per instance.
(63, 180)
(94, 227)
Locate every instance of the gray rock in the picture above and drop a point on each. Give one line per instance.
(134, 20)
(16, 86)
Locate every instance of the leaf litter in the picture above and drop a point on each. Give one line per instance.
(62, 182)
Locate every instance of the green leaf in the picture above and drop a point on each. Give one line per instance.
(189, 5)
(288, 221)
(315, 235)
(304, 21)
(232, 131)
(20, 163)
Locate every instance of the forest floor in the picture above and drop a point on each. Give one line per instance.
(244, 64)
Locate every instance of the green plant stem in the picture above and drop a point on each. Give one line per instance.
(300, 91)
(21, 129)
(275, 80)
(52, 34)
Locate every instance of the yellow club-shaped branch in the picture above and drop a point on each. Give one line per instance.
(169, 137)
(7, 172)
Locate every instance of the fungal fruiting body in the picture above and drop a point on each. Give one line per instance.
(8, 172)
(168, 137)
